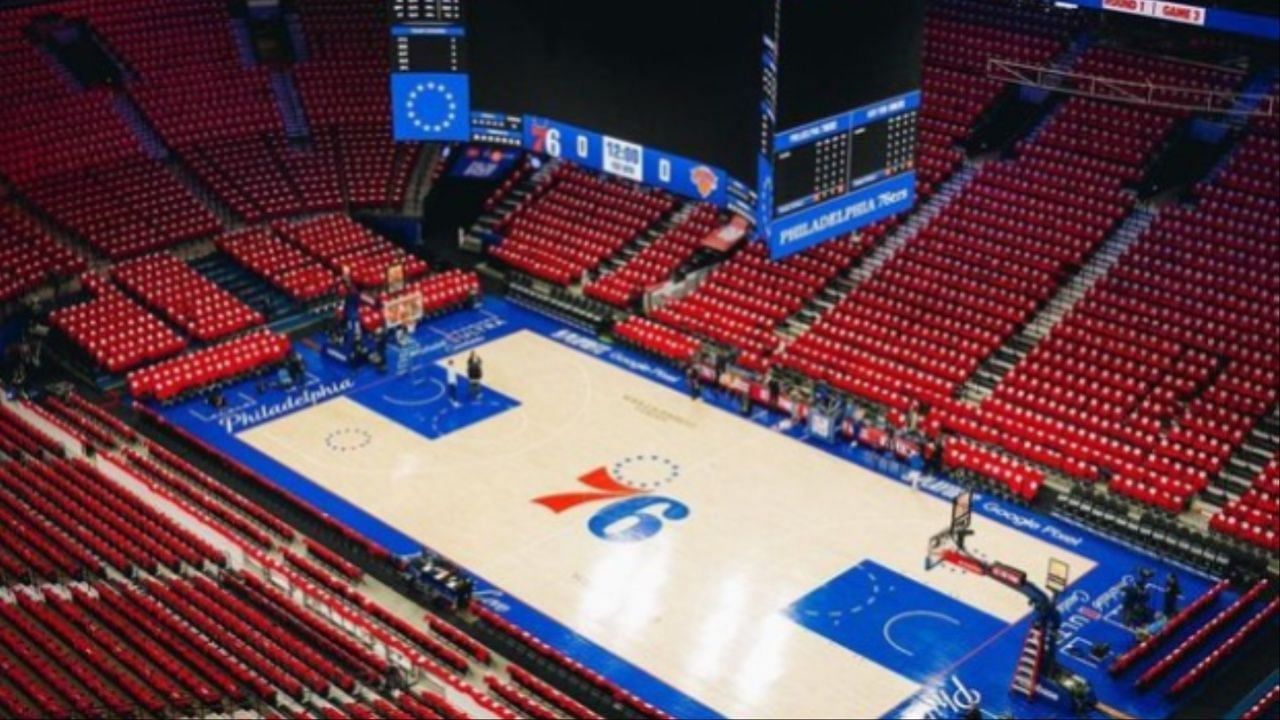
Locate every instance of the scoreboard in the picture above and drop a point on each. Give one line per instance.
(426, 11)
(835, 175)
(799, 115)
(420, 49)
(833, 157)
(844, 161)
(842, 95)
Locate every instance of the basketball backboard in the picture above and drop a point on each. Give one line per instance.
(962, 513)
(404, 311)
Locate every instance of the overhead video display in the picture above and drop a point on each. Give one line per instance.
(797, 114)
(846, 98)
(837, 55)
(680, 76)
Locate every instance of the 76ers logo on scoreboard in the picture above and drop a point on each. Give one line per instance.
(563, 141)
(633, 512)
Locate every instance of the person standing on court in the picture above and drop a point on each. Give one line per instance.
(475, 376)
(1172, 592)
(451, 381)
(694, 381)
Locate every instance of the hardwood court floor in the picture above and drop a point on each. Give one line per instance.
(702, 605)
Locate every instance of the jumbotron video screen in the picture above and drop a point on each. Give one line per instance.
(680, 76)
(797, 114)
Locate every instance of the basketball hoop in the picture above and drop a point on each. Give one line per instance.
(947, 544)
(962, 513)
(940, 546)
(395, 278)
(405, 311)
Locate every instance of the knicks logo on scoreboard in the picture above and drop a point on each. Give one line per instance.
(632, 512)
(705, 180)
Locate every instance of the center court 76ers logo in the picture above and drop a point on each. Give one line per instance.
(633, 512)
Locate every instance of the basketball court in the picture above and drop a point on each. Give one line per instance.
(714, 564)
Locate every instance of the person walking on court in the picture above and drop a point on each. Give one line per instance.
(475, 376)
(451, 381)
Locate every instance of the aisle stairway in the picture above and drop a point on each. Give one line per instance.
(989, 375)
(643, 240)
(420, 180)
(147, 136)
(281, 312)
(288, 102)
(802, 321)
(1259, 446)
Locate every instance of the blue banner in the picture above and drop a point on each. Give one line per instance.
(484, 164)
(833, 218)
(431, 107)
(1241, 23)
(765, 193)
